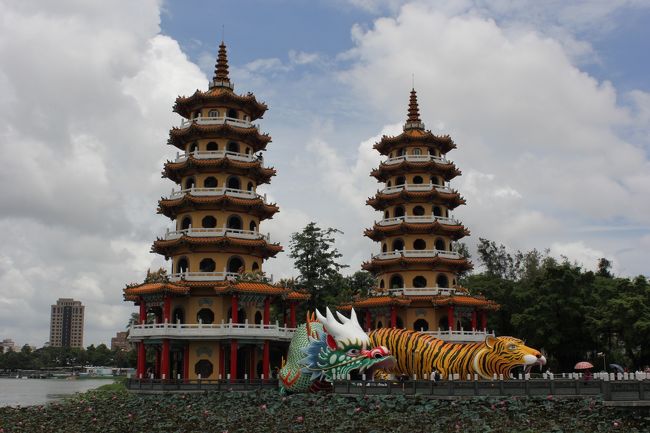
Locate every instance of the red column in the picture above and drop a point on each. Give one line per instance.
(164, 372)
(143, 311)
(266, 368)
(267, 310)
(186, 362)
(253, 361)
(233, 360)
(393, 317)
(167, 305)
(474, 321)
(222, 361)
(292, 315)
(484, 319)
(368, 320)
(142, 360)
(450, 318)
(234, 307)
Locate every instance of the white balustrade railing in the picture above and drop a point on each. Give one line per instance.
(218, 154)
(459, 336)
(416, 158)
(416, 187)
(216, 232)
(202, 276)
(212, 330)
(423, 291)
(417, 253)
(418, 219)
(185, 123)
(203, 192)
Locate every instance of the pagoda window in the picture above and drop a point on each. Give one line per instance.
(248, 151)
(252, 226)
(210, 182)
(382, 284)
(186, 223)
(212, 146)
(437, 211)
(213, 113)
(399, 211)
(418, 180)
(453, 282)
(386, 214)
(205, 315)
(401, 152)
(396, 282)
(401, 180)
(233, 146)
(418, 211)
(399, 323)
(421, 325)
(232, 113)
(255, 267)
(197, 114)
(398, 245)
(443, 324)
(203, 368)
(442, 281)
(190, 183)
(419, 244)
(249, 187)
(435, 180)
(207, 265)
(234, 182)
(234, 222)
(209, 222)
(178, 316)
(193, 147)
(417, 151)
(258, 317)
(440, 244)
(419, 281)
(384, 248)
(183, 265)
(241, 315)
(389, 184)
(236, 265)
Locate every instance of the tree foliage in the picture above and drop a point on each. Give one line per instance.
(569, 312)
(53, 357)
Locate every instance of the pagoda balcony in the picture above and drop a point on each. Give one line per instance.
(418, 219)
(460, 336)
(206, 192)
(218, 154)
(216, 331)
(232, 121)
(424, 291)
(417, 253)
(416, 158)
(202, 276)
(416, 187)
(198, 232)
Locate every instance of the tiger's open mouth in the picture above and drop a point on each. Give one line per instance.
(530, 363)
(387, 364)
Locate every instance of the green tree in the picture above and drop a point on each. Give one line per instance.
(315, 258)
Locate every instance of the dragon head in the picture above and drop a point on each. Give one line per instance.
(340, 347)
(506, 353)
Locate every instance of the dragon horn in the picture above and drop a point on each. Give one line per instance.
(342, 318)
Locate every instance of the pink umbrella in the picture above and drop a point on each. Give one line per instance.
(583, 365)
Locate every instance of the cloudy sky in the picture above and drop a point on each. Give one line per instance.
(549, 103)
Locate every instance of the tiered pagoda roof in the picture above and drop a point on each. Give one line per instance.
(377, 265)
(448, 171)
(257, 247)
(179, 137)
(191, 165)
(380, 232)
(253, 206)
(381, 301)
(382, 200)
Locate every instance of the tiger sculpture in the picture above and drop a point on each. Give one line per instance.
(421, 354)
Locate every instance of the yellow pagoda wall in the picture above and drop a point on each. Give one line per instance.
(214, 346)
(408, 276)
(220, 258)
(430, 241)
(221, 217)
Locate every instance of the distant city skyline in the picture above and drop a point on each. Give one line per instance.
(549, 104)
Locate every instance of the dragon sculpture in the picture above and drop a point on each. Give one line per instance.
(421, 354)
(325, 348)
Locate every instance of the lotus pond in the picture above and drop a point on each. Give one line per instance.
(265, 411)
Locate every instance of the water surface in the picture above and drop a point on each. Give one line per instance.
(27, 392)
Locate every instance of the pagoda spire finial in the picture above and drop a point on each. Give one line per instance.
(220, 78)
(413, 120)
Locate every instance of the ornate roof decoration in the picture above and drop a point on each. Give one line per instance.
(376, 265)
(413, 121)
(444, 143)
(380, 232)
(384, 171)
(221, 68)
(261, 246)
(253, 206)
(131, 292)
(176, 170)
(381, 200)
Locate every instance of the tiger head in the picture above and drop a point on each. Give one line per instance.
(502, 354)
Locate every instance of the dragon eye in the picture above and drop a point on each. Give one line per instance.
(353, 352)
(512, 347)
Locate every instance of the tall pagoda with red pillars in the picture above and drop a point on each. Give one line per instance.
(210, 318)
(417, 268)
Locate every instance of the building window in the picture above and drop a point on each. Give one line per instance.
(418, 211)
(419, 282)
(234, 222)
(442, 281)
(209, 222)
(189, 183)
(435, 180)
(233, 146)
(252, 226)
(235, 265)
(419, 244)
(258, 317)
(207, 265)
(440, 244)
(213, 113)
(437, 211)
(193, 147)
(186, 223)
(396, 282)
(205, 316)
(234, 182)
(249, 187)
(398, 245)
(417, 151)
(421, 325)
(210, 182)
(212, 146)
(183, 265)
(203, 368)
(382, 284)
(401, 180)
(418, 180)
(255, 267)
(232, 113)
(399, 211)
